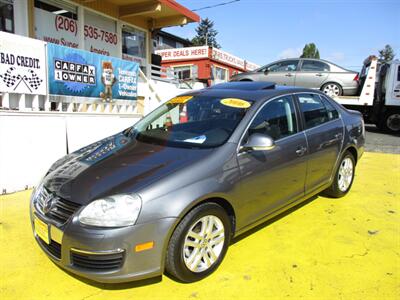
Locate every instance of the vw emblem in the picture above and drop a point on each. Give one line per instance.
(48, 203)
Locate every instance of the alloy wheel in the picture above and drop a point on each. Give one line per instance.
(203, 243)
(345, 174)
(332, 90)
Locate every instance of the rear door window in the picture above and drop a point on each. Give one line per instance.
(314, 111)
(332, 112)
(314, 66)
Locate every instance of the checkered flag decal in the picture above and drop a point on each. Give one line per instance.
(34, 81)
(9, 79)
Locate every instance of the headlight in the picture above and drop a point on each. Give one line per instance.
(113, 211)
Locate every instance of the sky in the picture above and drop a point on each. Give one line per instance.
(261, 31)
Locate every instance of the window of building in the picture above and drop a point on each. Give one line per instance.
(220, 73)
(314, 65)
(315, 113)
(6, 16)
(56, 22)
(183, 72)
(57, 7)
(276, 119)
(133, 42)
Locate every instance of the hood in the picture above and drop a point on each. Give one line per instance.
(118, 164)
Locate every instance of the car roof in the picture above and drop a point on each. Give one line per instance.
(248, 90)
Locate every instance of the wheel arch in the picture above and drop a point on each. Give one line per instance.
(224, 203)
(331, 81)
(352, 149)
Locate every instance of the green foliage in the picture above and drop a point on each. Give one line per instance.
(206, 34)
(310, 51)
(386, 54)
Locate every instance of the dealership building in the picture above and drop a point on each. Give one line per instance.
(205, 64)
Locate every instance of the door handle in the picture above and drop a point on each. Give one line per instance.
(319, 75)
(288, 75)
(338, 136)
(301, 150)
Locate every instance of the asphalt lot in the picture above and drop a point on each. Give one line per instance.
(346, 248)
(381, 142)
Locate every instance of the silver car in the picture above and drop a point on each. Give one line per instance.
(305, 72)
(170, 192)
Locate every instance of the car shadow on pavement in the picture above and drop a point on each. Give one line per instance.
(273, 220)
(158, 279)
(373, 129)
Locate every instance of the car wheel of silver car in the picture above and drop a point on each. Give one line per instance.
(344, 177)
(199, 243)
(332, 89)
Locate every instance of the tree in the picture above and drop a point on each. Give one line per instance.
(206, 34)
(386, 54)
(310, 51)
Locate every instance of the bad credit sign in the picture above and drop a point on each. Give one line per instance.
(184, 53)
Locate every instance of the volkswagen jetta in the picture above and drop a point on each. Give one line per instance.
(170, 192)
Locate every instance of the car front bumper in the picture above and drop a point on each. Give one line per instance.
(106, 255)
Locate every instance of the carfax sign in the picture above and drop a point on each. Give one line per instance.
(22, 65)
(74, 72)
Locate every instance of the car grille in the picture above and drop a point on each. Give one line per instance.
(59, 210)
(103, 262)
(53, 248)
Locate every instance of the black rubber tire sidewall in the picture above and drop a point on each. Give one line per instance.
(333, 190)
(175, 264)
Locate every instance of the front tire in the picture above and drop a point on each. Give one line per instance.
(199, 243)
(344, 177)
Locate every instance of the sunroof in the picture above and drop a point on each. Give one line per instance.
(245, 85)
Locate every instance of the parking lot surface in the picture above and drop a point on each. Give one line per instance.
(346, 248)
(377, 141)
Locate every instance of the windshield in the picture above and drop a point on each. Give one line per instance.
(192, 121)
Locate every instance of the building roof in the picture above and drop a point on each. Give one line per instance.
(151, 14)
(175, 38)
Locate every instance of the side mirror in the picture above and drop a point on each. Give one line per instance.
(259, 142)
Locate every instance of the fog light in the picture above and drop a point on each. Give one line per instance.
(144, 246)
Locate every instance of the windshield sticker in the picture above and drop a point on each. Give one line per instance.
(235, 102)
(197, 140)
(180, 100)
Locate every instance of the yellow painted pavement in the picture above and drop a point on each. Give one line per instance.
(346, 248)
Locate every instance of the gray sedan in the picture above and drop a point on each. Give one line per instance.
(170, 192)
(304, 72)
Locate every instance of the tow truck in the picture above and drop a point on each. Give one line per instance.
(379, 100)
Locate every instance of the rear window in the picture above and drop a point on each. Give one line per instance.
(312, 65)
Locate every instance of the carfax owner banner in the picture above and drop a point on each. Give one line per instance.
(22, 65)
(74, 72)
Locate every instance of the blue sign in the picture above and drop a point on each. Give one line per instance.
(81, 73)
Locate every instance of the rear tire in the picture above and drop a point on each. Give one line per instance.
(390, 122)
(332, 89)
(344, 177)
(199, 243)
